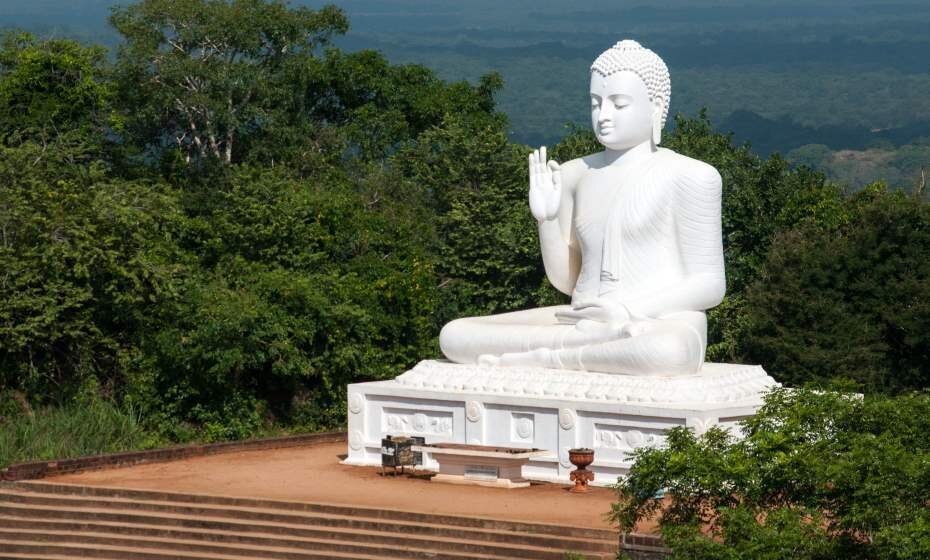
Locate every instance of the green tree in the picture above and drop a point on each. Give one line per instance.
(85, 257)
(487, 251)
(202, 76)
(760, 196)
(298, 291)
(817, 475)
(50, 88)
(377, 106)
(850, 301)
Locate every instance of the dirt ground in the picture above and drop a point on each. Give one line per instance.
(314, 474)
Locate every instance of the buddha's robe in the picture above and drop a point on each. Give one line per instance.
(652, 244)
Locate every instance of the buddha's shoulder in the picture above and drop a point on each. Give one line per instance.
(580, 165)
(685, 171)
(574, 170)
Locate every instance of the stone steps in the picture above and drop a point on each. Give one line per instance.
(44, 520)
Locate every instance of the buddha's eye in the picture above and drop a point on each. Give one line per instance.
(620, 105)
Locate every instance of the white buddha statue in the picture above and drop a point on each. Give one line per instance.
(632, 233)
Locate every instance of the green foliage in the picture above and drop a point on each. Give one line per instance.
(301, 291)
(50, 88)
(249, 293)
(379, 105)
(760, 197)
(819, 474)
(84, 259)
(487, 250)
(850, 301)
(201, 76)
(578, 142)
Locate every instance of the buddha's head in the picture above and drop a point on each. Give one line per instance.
(630, 92)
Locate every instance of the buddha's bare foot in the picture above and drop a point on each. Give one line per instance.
(489, 360)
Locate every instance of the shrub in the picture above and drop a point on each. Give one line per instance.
(819, 474)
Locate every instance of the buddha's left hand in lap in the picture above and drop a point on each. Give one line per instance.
(603, 319)
(597, 310)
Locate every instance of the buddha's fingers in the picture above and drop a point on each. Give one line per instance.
(555, 169)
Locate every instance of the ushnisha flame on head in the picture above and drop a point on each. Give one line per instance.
(630, 55)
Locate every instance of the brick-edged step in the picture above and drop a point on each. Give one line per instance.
(270, 548)
(66, 511)
(127, 533)
(428, 543)
(166, 513)
(311, 507)
(72, 550)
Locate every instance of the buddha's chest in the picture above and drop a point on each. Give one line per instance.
(640, 208)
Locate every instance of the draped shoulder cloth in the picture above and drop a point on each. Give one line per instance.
(665, 230)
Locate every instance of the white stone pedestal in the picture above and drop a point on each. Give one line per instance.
(553, 410)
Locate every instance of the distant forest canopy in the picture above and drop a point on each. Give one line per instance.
(850, 75)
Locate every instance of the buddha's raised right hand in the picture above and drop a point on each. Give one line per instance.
(545, 186)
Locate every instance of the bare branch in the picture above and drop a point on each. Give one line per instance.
(919, 191)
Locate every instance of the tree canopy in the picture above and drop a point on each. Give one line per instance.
(204, 75)
(815, 475)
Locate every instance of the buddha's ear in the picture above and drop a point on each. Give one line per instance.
(657, 110)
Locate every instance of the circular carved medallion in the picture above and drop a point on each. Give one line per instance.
(566, 418)
(356, 403)
(473, 411)
(356, 440)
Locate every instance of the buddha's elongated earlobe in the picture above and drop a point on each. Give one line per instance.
(656, 126)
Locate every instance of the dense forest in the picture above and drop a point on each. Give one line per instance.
(206, 233)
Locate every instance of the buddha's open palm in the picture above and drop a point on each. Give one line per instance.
(545, 186)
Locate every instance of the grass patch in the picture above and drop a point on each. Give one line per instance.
(92, 425)
(87, 427)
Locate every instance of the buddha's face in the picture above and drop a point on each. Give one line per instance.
(621, 112)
